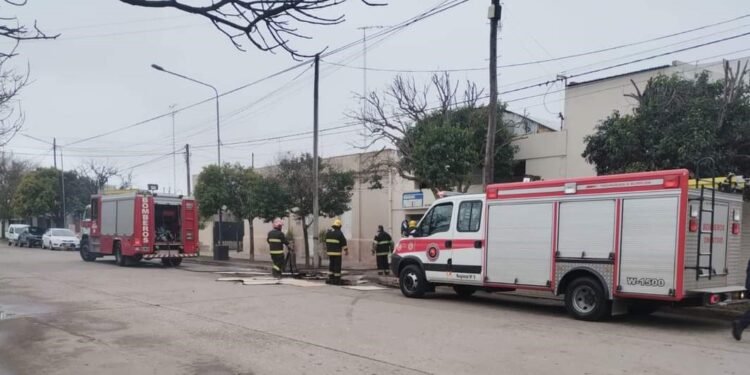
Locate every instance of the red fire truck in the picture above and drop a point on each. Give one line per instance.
(134, 225)
(609, 244)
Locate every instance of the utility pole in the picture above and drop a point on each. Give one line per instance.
(62, 187)
(54, 150)
(316, 171)
(364, 76)
(187, 166)
(252, 231)
(489, 157)
(174, 152)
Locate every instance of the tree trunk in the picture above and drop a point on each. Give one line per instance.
(307, 243)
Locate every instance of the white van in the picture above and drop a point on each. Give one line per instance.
(13, 231)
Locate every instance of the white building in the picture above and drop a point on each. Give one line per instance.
(558, 155)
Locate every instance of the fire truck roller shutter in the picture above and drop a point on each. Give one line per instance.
(519, 243)
(649, 245)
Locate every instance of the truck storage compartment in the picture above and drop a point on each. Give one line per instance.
(167, 222)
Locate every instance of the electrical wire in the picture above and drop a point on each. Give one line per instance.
(541, 61)
(444, 6)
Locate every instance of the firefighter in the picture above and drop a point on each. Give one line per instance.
(412, 228)
(382, 245)
(405, 227)
(739, 325)
(335, 245)
(276, 242)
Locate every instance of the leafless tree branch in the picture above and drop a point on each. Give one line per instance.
(265, 23)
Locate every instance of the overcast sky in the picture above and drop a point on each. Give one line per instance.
(96, 76)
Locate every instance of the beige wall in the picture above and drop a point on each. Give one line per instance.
(587, 104)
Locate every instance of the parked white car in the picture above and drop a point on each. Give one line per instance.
(60, 239)
(13, 231)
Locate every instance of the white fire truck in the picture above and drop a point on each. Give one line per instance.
(610, 244)
(134, 225)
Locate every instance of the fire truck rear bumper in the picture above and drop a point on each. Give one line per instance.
(169, 254)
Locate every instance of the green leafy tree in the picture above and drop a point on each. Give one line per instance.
(677, 122)
(11, 172)
(440, 147)
(245, 193)
(294, 177)
(39, 194)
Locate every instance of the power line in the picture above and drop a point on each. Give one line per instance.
(444, 6)
(541, 61)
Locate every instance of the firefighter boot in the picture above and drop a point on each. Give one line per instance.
(737, 330)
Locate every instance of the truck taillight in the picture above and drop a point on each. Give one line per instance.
(693, 224)
(735, 228)
(189, 235)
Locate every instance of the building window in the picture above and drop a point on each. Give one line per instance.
(469, 216)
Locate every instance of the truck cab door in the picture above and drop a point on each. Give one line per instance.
(468, 242)
(433, 242)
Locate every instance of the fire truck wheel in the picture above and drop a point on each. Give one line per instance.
(121, 260)
(412, 281)
(464, 291)
(85, 254)
(585, 300)
(166, 262)
(176, 262)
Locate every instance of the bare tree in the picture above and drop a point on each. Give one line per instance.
(267, 24)
(101, 173)
(11, 81)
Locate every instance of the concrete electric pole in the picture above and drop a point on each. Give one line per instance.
(489, 158)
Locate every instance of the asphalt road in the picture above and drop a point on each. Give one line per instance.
(59, 315)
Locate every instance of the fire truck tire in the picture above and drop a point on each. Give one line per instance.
(413, 282)
(85, 254)
(120, 259)
(167, 262)
(464, 291)
(585, 300)
(176, 262)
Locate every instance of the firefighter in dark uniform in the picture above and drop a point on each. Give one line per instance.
(335, 245)
(276, 242)
(381, 248)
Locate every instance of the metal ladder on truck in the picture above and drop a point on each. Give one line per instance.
(701, 251)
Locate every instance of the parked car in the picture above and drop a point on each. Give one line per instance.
(60, 239)
(13, 231)
(31, 237)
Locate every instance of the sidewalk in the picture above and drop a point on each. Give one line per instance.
(267, 265)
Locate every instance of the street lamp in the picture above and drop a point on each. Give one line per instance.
(218, 124)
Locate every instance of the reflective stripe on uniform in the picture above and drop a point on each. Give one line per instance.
(385, 253)
(276, 268)
(277, 252)
(383, 242)
(334, 254)
(332, 240)
(336, 274)
(274, 240)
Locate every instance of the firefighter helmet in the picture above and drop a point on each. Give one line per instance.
(277, 223)
(337, 223)
(412, 223)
